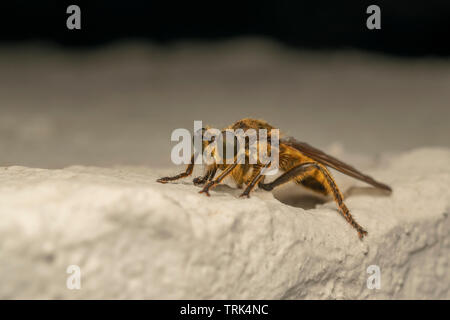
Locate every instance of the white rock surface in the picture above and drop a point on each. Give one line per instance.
(135, 238)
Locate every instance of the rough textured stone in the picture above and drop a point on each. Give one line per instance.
(135, 238)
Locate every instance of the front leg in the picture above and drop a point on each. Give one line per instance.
(201, 180)
(185, 174)
(213, 183)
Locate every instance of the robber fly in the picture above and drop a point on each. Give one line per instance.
(299, 162)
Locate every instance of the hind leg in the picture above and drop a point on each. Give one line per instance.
(322, 176)
(314, 183)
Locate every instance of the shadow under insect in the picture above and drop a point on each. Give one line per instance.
(292, 196)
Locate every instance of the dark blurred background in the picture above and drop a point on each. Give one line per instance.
(112, 92)
(409, 28)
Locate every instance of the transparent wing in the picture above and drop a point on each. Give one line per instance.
(332, 162)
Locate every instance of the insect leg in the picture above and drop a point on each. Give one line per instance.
(295, 173)
(212, 174)
(201, 180)
(314, 183)
(301, 171)
(256, 178)
(213, 183)
(185, 174)
(207, 177)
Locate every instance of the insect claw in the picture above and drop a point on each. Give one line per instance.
(244, 195)
(198, 181)
(205, 192)
(162, 180)
(362, 233)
